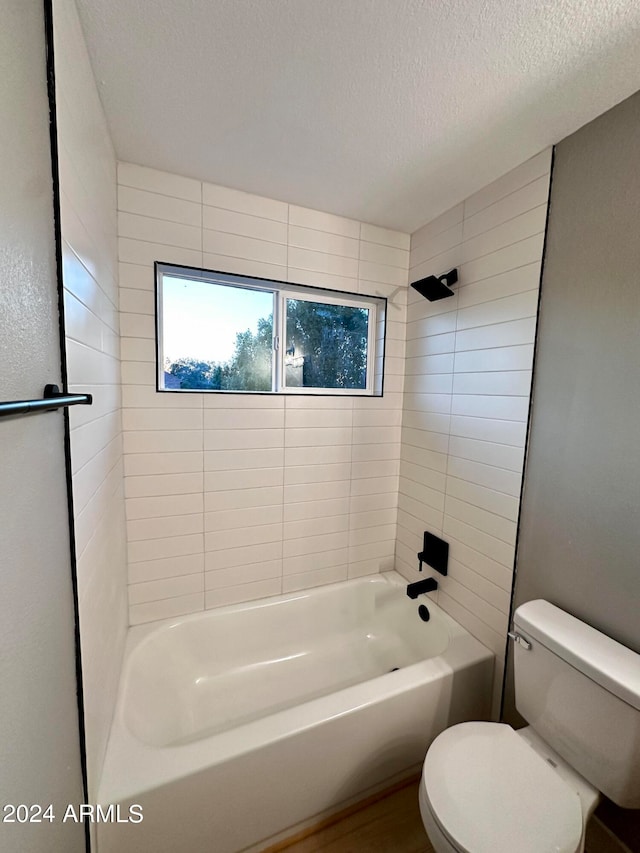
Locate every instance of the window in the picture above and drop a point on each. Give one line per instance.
(223, 332)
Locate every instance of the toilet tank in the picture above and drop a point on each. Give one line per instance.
(580, 691)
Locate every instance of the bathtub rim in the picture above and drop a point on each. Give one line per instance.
(132, 767)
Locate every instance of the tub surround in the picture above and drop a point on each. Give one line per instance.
(331, 651)
(466, 396)
(234, 497)
(90, 268)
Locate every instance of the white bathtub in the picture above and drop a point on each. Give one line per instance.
(236, 726)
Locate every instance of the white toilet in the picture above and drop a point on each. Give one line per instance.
(487, 788)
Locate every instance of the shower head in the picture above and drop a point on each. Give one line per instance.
(436, 287)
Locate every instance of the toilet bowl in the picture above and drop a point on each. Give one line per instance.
(487, 788)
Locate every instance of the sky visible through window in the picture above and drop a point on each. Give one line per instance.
(201, 319)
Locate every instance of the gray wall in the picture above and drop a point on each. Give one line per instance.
(39, 742)
(580, 523)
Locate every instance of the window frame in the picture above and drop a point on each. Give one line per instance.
(376, 306)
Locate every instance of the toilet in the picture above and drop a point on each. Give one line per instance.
(488, 788)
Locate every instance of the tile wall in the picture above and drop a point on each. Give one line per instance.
(231, 497)
(89, 252)
(466, 397)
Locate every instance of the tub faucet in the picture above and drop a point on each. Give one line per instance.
(417, 588)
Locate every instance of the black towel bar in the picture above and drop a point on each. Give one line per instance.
(52, 399)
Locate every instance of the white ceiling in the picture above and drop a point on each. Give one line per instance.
(387, 111)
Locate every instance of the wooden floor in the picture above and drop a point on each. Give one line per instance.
(390, 825)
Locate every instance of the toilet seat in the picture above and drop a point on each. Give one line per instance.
(490, 792)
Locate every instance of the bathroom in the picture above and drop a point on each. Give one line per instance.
(191, 503)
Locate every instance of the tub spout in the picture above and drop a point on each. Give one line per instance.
(417, 588)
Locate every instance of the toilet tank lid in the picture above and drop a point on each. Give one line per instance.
(605, 661)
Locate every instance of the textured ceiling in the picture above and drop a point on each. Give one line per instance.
(387, 111)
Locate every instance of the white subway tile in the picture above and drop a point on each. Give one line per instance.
(171, 526)
(162, 463)
(317, 437)
(137, 227)
(242, 439)
(159, 206)
(315, 577)
(243, 556)
(482, 474)
(138, 349)
(244, 592)
(165, 547)
(382, 273)
(235, 460)
(300, 493)
(317, 278)
(487, 522)
(243, 478)
(512, 333)
(505, 234)
(376, 468)
(158, 506)
(140, 593)
(509, 183)
(487, 452)
(320, 221)
(384, 255)
(224, 578)
(313, 562)
(499, 311)
(153, 180)
(136, 277)
(310, 418)
(159, 441)
(507, 283)
(147, 253)
(500, 551)
(307, 259)
(244, 225)
(302, 456)
(496, 573)
(243, 498)
(315, 527)
(243, 266)
(162, 419)
(302, 474)
(369, 535)
(508, 383)
(314, 544)
(380, 551)
(501, 408)
(515, 255)
(243, 419)
(137, 326)
(232, 519)
(322, 241)
(472, 602)
(171, 567)
(241, 202)
(441, 223)
(145, 397)
(486, 429)
(222, 540)
(163, 484)
(247, 248)
(374, 485)
(316, 509)
(480, 496)
(531, 195)
(501, 358)
(385, 237)
(168, 607)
